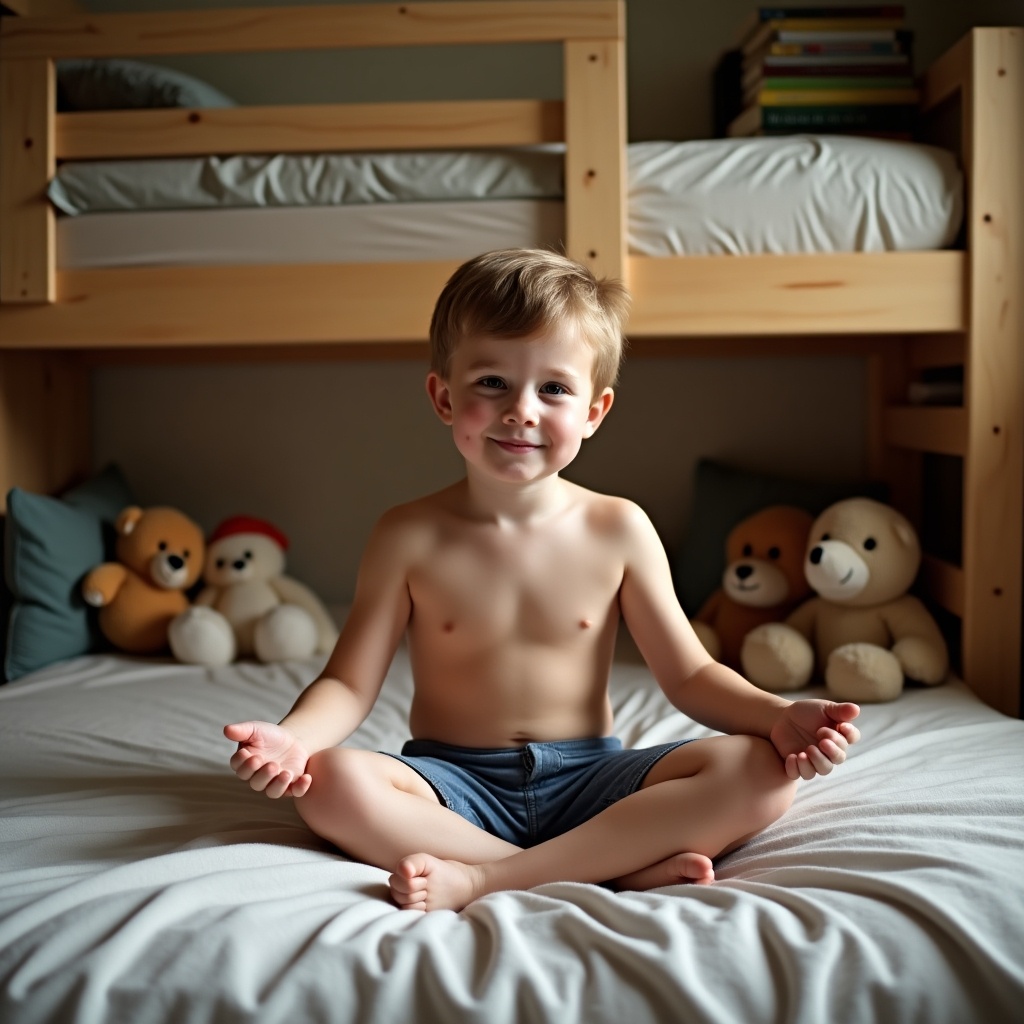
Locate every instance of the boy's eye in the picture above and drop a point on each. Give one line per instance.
(551, 388)
(491, 382)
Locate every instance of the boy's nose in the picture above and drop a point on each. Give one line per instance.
(521, 409)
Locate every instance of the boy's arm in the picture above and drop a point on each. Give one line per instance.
(332, 707)
(807, 733)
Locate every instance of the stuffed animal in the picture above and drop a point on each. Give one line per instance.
(763, 579)
(863, 632)
(248, 607)
(159, 556)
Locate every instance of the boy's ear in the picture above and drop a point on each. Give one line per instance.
(440, 397)
(598, 410)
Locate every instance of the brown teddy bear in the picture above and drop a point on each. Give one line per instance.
(763, 579)
(160, 555)
(863, 632)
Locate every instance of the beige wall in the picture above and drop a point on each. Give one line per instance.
(323, 448)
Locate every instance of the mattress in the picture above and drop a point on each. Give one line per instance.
(140, 881)
(769, 195)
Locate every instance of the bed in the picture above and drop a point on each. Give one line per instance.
(142, 882)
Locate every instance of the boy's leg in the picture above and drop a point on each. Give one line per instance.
(702, 798)
(378, 809)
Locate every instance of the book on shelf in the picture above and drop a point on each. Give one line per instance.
(763, 15)
(894, 120)
(776, 91)
(824, 29)
(836, 97)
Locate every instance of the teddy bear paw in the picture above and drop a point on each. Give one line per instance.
(285, 633)
(863, 672)
(922, 661)
(202, 636)
(777, 658)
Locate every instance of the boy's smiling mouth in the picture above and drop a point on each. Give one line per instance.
(516, 447)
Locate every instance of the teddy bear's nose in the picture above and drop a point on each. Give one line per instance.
(743, 571)
(239, 564)
(175, 561)
(815, 555)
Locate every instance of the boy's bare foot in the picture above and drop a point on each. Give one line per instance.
(679, 869)
(423, 882)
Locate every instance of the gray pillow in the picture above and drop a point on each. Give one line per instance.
(130, 84)
(49, 546)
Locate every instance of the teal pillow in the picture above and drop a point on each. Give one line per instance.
(49, 546)
(130, 84)
(723, 496)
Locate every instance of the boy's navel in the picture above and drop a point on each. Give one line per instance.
(448, 627)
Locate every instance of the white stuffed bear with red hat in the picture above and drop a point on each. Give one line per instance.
(248, 606)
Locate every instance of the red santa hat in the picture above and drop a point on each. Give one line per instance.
(248, 524)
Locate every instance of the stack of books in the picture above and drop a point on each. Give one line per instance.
(842, 70)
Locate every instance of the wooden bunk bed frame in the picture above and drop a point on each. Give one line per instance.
(901, 311)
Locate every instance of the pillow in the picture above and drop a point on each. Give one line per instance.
(723, 495)
(49, 545)
(129, 84)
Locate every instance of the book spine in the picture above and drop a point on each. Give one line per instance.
(832, 35)
(854, 11)
(825, 118)
(868, 83)
(836, 97)
(846, 48)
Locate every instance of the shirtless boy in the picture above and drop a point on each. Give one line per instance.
(509, 587)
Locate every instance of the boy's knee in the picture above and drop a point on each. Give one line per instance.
(336, 774)
(765, 779)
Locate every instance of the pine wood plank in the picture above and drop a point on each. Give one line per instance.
(254, 305)
(993, 547)
(822, 294)
(311, 27)
(941, 430)
(595, 162)
(44, 421)
(303, 129)
(27, 254)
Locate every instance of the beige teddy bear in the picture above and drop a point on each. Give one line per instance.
(863, 632)
(248, 606)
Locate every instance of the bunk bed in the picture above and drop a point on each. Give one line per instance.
(141, 882)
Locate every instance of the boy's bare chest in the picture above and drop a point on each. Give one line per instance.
(536, 589)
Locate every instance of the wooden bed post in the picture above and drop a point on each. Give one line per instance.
(27, 163)
(45, 441)
(994, 370)
(595, 165)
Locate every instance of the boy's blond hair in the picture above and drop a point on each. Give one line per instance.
(514, 293)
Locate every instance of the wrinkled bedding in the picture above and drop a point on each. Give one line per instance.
(141, 882)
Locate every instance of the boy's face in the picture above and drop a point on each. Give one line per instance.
(520, 408)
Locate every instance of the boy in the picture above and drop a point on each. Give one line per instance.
(509, 586)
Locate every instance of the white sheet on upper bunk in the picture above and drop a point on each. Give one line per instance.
(785, 194)
(140, 881)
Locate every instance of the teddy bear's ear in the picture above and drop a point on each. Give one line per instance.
(904, 533)
(128, 519)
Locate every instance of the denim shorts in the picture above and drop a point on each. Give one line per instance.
(527, 795)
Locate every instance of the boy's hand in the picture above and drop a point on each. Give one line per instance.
(814, 735)
(269, 758)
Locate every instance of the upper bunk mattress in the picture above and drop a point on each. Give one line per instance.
(791, 194)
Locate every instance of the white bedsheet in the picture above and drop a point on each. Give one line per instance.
(798, 193)
(141, 882)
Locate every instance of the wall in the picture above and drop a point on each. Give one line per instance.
(323, 448)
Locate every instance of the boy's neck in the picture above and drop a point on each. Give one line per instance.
(513, 503)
